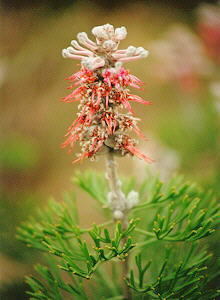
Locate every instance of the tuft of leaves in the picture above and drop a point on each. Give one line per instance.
(55, 231)
(170, 213)
(186, 279)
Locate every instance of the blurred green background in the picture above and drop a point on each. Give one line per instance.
(182, 80)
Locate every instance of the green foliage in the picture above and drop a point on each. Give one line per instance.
(95, 186)
(8, 222)
(173, 213)
(182, 211)
(19, 153)
(184, 280)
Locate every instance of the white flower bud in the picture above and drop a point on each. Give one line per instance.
(93, 63)
(82, 37)
(139, 50)
(70, 50)
(109, 45)
(74, 43)
(131, 50)
(120, 33)
(118, 215)
(109, 29)
(132, 199)
(65, 53)
(144, 53)
(99, 32)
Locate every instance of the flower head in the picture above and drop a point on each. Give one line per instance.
(102, 87)
(103, 52)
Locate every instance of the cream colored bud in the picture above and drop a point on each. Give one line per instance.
(109, 29)
(100, 33)
(120, 33)
(132, 199)
(70, 50)
(93, 63)
(82, 37)
(139, 50)
(118, 215)
(65, 53)
(131, 50)
(109, 45)
(74, 43)
(144, 53)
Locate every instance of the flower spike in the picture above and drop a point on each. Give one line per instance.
(102, 87)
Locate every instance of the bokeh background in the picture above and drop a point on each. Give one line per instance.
(182, 79)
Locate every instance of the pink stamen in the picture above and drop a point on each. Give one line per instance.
(107, 100)
(139, 154)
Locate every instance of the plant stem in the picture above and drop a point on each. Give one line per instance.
(125, 270)
(146, 233)
(117, 199)
(118, 206)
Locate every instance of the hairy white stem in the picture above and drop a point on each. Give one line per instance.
(117, 199)
(118, 204)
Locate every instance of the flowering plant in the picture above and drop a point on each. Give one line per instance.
(103, 89)
(148, 217)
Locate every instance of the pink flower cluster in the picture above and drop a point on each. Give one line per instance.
(180, 57)
(103, 93)
(209, 29)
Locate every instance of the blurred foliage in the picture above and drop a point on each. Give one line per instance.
(58, 4)
(18, 153)
(16, 290)
(18, 212)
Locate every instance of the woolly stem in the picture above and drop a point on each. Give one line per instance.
(117, 199)
(118, 206)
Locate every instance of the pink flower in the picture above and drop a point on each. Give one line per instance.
(102, 90)
(209, 29)
(180, 58)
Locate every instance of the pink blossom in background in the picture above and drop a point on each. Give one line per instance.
(209, 29)
(180, 57)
